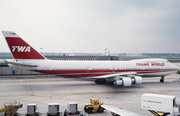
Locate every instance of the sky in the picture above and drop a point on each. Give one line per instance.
(91, 26)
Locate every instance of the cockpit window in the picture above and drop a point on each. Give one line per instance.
(167, 61)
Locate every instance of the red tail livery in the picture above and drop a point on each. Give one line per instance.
(19, 48)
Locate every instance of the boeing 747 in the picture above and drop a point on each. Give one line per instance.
(124, 73)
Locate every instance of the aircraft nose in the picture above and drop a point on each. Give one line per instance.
(176, 67)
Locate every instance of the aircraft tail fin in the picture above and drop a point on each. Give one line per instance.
(19, 48)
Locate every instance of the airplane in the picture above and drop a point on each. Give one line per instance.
(123, 73)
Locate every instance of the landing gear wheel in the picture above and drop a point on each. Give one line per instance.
(100, 81)
(162, 80)
(111, 83)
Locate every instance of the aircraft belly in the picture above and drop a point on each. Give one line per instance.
(156, 74)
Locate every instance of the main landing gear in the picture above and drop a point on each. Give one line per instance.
(162, 79)
(100, 81)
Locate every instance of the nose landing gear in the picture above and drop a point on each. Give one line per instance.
(162, 79)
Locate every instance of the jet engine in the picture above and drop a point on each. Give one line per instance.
(136, 80)
(123, 82)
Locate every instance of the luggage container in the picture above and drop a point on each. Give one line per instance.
(72, 108)
(31, 109)
(53, 109)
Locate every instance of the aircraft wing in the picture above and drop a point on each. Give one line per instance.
(113, 75)
(22, 64)
(119, 111)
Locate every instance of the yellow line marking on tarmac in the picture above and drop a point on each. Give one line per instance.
(80, 79)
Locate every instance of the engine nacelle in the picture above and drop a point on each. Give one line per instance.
(127, 82)
(118, 82)
(137, 80)
(123, 82)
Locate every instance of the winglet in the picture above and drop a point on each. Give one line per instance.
(19, 48)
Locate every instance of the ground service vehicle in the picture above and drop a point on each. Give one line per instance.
(95, 106)
(10, 109)
(160, 105)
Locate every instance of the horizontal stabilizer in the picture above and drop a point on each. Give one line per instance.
(2, 61)
(22, 64)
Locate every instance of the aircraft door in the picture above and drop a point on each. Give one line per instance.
(162, 67)
(113, 69)
(48, 69)
(88, 69)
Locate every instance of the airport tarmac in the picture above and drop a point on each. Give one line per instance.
(63, 90)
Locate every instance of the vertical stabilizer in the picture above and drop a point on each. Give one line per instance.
(19, 48)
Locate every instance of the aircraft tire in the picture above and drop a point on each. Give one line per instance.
(100, 81)
(162, 80)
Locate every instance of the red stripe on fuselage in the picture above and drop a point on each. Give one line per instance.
(92, 73)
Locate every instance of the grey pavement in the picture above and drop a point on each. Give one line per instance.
(63, 90)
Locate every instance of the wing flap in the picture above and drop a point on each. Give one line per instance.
(113, 75)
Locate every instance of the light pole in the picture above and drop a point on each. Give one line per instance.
(105, 51)
(41, 50)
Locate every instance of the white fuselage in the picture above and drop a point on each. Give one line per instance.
(143, 67)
